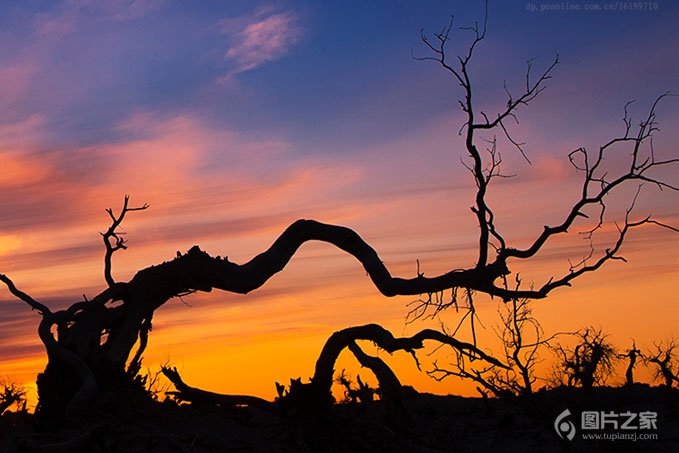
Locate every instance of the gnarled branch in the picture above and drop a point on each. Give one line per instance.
(385, 340)
(116, 236)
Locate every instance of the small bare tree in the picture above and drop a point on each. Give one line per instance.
(12, 395)
(632, 355)
(590, 362)
(664, 358)
(522, 337)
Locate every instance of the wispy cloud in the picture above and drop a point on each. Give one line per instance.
(131, 9)
(56, 23)
(259, 38)
(68, 16)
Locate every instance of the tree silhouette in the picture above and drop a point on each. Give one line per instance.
(631, 354)
(521, 337)
(12, 395)
(90, 344)
(590, 362)
(664, 358)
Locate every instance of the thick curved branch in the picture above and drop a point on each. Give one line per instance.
(255, 273)
(196, 270)
(391, 390)
(390, 386)
(384, 339)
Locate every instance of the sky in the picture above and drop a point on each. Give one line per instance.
(234, 119)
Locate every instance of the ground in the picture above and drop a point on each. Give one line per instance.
(439, 423)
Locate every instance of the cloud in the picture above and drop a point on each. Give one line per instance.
(132, 9)
(56, 24)
(260, 38)
(18, 171)
(203, 185)
(69, 16)
(21, 133)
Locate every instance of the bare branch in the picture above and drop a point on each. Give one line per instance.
(112, 235)
(35, 305)
(596, 187)
(532, 91)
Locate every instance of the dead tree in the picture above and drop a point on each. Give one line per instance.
(522, 337)
(631, 354)
(90, 344)
(663, 358)
(12, 395)
(590, 362)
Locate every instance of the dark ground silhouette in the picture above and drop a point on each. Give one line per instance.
(441, 423)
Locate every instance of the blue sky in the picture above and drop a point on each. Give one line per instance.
(330, 70)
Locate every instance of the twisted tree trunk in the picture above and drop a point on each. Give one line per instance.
(95, 338)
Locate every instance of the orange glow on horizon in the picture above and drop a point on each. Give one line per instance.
(243, 344)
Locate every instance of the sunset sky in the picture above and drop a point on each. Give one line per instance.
(233, 119)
